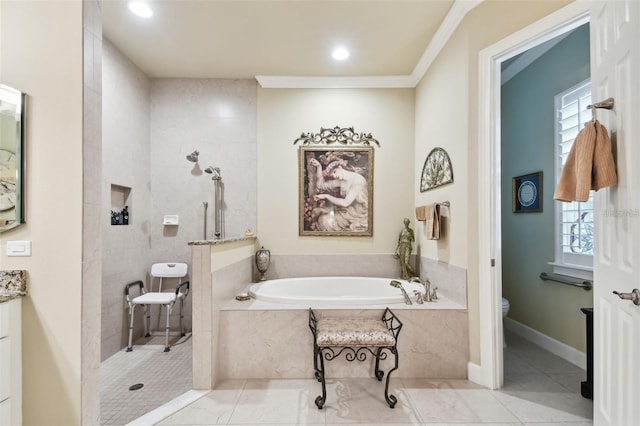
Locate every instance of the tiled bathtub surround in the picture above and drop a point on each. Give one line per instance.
(235, 340)
(451, 279)
(306, 265)
(12, 284)
(277, 344)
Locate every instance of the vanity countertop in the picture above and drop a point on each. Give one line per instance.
(12, 284)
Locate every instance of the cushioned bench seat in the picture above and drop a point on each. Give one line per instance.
(353, 332)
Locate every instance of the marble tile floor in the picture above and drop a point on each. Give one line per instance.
(165, 376)
(540, 389)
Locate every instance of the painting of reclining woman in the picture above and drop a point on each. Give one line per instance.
(336, 191)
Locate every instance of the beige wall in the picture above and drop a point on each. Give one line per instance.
(41, 49)
(446, 115)
(284, 114)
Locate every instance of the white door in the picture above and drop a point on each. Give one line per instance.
(615, 72)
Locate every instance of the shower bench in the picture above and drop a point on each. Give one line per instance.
(356, 337)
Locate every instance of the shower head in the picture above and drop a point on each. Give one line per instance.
(193, 157)
(215, 171)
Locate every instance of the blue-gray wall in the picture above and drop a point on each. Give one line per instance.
(528, 238)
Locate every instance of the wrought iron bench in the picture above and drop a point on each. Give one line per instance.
(356, 337)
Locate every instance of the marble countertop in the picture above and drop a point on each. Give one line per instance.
(12, 284)
(222, 241)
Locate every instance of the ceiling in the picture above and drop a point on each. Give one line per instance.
(245, 39)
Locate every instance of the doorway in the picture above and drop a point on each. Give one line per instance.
(546, 313)
(491, 372)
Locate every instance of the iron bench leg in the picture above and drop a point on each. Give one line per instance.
(391, 399)
(319, 372)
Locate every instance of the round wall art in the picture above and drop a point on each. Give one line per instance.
(527, 193)
(437, 170)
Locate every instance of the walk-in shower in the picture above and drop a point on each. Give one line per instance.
(218, 212)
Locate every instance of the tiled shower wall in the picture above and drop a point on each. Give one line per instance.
(125, 162)
(219, 119)
(150, 125)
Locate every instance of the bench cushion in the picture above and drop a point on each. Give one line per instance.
(353, 332)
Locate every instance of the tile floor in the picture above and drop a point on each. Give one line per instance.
(540, 389)
(165, 376)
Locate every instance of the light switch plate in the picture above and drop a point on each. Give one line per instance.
(18, 248)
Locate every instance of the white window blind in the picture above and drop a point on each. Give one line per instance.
(574, 221)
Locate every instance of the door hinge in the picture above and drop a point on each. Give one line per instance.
(493, 263)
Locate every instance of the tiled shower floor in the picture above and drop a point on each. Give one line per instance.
(165, 376)
(540, 389)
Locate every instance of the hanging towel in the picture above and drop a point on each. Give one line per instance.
(432, 223)
(589, 165)
(421, 213)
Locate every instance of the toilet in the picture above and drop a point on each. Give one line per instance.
(505, 311)
(505, 307)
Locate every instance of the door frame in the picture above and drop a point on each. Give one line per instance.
(490, 373)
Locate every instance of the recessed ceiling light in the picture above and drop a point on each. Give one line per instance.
(340, 54)
(141, 9)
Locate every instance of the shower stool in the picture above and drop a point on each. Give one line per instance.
(168, 299)
(355, 337)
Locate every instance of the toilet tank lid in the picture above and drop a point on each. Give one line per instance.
(169, 270)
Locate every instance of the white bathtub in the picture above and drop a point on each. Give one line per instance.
(332, 290)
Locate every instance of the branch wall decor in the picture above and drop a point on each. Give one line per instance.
(340, 135)
(437, 170)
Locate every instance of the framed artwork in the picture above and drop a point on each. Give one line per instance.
(336, 191)
(437, 170)
(526, 193)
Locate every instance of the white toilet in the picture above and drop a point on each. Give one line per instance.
(505, 311)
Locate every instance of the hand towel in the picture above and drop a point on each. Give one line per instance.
(432, 223)
(589, 165)
(421, 213)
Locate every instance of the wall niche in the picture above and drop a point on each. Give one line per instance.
(120, 205)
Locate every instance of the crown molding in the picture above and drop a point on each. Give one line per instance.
(455, 15)
(355, 82)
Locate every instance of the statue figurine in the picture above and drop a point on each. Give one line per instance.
(403, 251)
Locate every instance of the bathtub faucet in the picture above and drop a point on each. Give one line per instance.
(429, 293)
(397, 284)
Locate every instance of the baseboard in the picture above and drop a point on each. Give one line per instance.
(474, 373)
(554, 346)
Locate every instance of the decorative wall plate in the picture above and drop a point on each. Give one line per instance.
(437, 170)
(527, 193)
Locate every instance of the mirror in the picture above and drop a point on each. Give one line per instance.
(12, 157)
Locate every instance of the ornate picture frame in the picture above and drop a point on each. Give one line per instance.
(437, 170)
(336, 191)
(526, 193)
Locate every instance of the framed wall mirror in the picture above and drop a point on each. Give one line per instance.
(12, 157)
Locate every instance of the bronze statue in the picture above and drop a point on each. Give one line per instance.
(403, 251)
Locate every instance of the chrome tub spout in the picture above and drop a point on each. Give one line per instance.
(397, 284)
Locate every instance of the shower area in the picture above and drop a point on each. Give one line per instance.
(150, 125)
(218, 199)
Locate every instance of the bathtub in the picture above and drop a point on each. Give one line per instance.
(332, 290)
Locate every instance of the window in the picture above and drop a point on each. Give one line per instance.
(574, 221)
